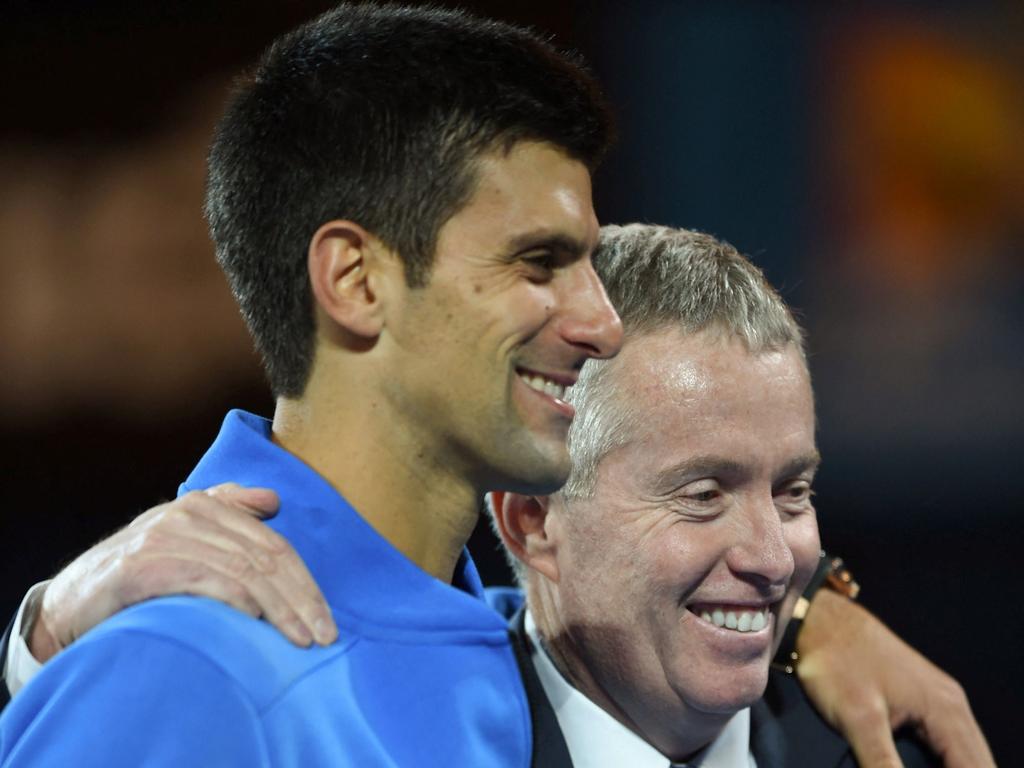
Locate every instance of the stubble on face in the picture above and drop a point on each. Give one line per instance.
(480, 353)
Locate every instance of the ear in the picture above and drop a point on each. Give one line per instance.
(347, 273)
(528, 530)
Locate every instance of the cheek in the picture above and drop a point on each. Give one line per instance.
(528, 303)
(689, 552)
(670, 564)
(604, 573)
(803, 540)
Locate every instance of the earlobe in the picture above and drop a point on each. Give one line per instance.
(343, 273)
(524, 525)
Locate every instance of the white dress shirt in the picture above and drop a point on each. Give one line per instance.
(597, 740)
(20, 666)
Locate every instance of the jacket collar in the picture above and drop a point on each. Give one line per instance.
(363, 577)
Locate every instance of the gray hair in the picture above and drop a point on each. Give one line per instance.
(659, 278)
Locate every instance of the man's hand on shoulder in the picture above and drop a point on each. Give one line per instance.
(208, 543)
(867, 682)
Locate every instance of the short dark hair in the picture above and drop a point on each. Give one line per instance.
(376, 114)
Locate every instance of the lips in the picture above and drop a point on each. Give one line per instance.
(737, 618)
(543, 384)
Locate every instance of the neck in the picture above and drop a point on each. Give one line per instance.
(666, 723)
(418, 506)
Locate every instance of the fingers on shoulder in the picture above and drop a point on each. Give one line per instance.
(950, 696)
(865, 724)
(254, 499)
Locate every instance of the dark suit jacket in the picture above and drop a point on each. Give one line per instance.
(785, 730)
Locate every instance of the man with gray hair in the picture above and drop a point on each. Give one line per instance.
(660, 580)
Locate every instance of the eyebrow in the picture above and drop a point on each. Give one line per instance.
(717, 466)
(798, 466)
(697, 466)
(556, 241)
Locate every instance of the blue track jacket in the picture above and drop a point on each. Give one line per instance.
(423, 673)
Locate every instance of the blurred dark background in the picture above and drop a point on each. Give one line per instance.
(869, 157)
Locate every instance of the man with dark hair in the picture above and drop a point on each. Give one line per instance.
(401, 200)
(382, 115)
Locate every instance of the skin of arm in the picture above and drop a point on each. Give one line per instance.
(208, 543)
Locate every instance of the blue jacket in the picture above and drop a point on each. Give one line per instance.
(423, 673)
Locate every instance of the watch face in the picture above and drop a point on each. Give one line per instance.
(841, 580)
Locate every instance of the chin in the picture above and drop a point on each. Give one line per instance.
(542, 482)
(538, 469)
(732, 692)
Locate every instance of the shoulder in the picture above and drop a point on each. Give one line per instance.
(245, 652)
(122, 696)
(174, 681)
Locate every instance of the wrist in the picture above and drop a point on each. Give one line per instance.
(825, 612)
(831, 586)
(41, 640)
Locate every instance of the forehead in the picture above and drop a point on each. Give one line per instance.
(531, 190)
(670, 363)
(706, 394)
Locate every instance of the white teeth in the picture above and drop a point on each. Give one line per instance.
(548, 387)
(742, 621)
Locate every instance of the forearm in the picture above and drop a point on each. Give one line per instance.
(22, 659)
(827, 622)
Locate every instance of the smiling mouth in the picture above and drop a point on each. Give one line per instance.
(542, 384)
(735, 618)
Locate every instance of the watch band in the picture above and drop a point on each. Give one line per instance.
(830, 573)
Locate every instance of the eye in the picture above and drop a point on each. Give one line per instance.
(540, 264)
(795, 495)
(701, 498)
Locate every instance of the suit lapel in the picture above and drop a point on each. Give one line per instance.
(549, 747)
(786, 732)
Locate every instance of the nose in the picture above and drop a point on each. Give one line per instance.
(762, 553)
(589, 320)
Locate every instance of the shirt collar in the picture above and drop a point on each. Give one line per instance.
(359, 572)
(597, 740)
